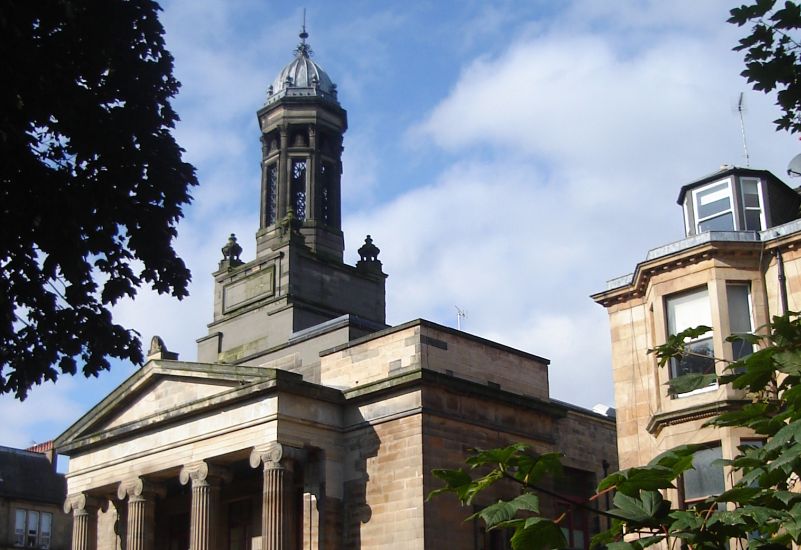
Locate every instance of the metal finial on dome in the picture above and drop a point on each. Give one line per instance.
(303, 34)
(303, 48)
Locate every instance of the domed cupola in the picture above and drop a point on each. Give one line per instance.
(302, 125)
(302, 77)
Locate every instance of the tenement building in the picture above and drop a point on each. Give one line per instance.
(738, 265)
(31, 498)
(306, 422)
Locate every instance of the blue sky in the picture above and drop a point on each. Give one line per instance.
(507, 157)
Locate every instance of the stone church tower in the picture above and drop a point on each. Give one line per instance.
(298, 279)
(306, 422)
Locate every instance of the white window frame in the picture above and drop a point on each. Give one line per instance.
(697, 218)
(42, 540)
(674, 330)
(747, 285)
(761, 207)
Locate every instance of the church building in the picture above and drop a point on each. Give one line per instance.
(307, 422)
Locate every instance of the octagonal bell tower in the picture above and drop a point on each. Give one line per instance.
(302, 124)
(297, 283)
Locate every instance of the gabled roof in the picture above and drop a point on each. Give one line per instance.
(133, 407)
(27, 475)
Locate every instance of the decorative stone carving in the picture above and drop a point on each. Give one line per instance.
(368, 254)
(231, 252)
(289, 228)
(158, 350)
(270, 454)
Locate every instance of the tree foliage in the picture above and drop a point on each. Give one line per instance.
(761, 510)
(92, 182)
(772, 53)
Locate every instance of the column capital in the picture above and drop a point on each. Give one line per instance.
(202, 473)
(274, 455)
(139, 489)
(80, 503)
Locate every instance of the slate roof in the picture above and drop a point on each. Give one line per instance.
(30, 476)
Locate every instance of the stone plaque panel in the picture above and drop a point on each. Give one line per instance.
(256, 286)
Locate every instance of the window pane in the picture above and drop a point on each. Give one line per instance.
(739, 308)
(688, 310)
(685, 311)
(19, 527)
(272, 194)
(691, 363)
(753, 220)
(705, 478)
(44, 531)
(298, 188)
(714, 200)
(720, 223)
(739, 317)
(33, 528)
(750, 192)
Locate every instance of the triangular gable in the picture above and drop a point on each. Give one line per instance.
(159, 387)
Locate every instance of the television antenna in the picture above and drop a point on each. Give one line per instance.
(460, 314)
(740, 111)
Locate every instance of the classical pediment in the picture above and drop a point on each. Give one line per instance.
(163, 391)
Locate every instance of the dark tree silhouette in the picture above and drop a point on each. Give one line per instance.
(772, 54)
(92, 183)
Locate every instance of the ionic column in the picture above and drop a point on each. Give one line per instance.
(84, 520)
(141, 513)
(206, 480)
(278, 514)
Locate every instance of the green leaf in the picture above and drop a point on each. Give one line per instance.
(793, 524)
(503, 511)
(690, 382)
(788, 362)
(456, 481)
(787, 497)
(789, 432)
(495, 513)
(495, 456)
(538, 533)
(531, 469)
(739, 495)
(645, 510)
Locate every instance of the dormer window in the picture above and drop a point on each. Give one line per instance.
(713, 207)
(737, 199)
